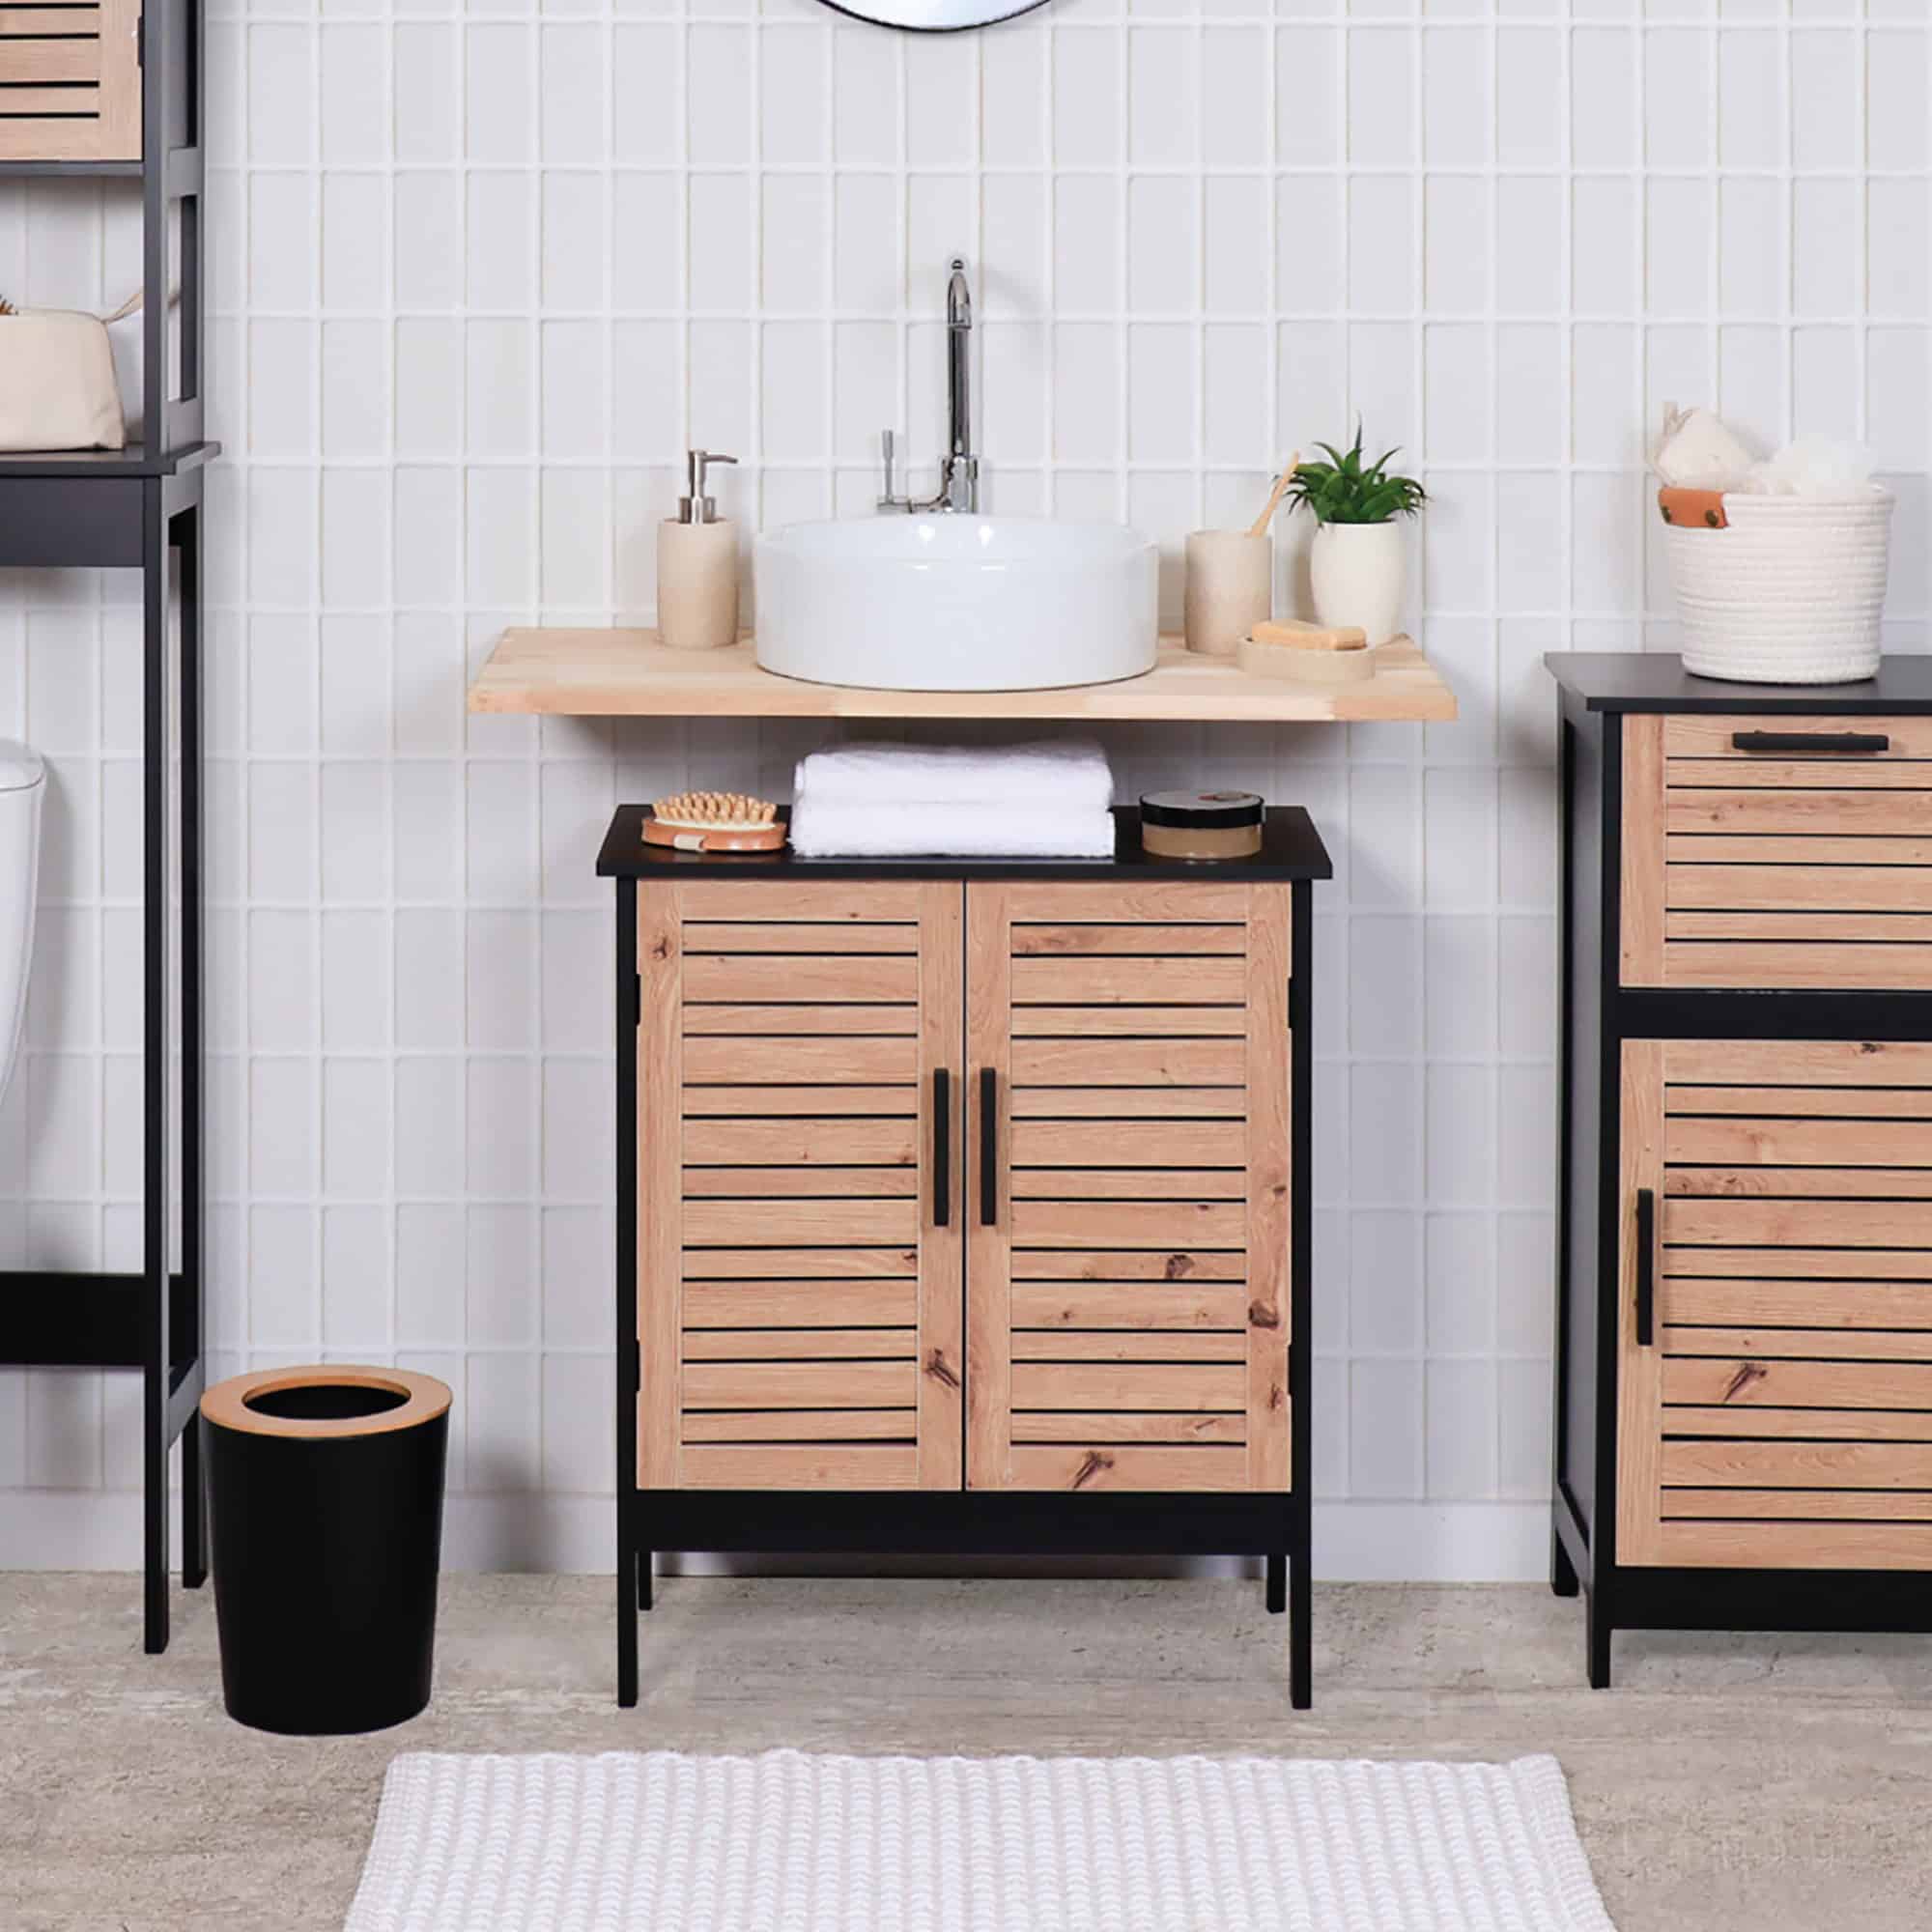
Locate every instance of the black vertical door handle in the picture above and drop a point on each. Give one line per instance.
(989, 1147)
(942, 1146)
(1646, 1267)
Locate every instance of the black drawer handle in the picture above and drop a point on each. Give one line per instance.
(1646, 1267)
(942, 1146)
(989, 1147)
(1807, 743)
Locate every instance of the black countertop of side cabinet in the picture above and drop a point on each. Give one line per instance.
(1651, 681)
(1291, 849)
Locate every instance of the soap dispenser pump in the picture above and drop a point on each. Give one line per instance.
(697, 566)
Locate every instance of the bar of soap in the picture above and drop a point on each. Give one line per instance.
(1309, 637)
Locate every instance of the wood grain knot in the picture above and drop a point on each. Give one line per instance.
(1096, 1464)
(1178, 1265)
(937, 1368)
(660, 947)
(1264, 1315)
(1747, 1373)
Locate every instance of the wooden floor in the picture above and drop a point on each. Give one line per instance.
(1730, 1785)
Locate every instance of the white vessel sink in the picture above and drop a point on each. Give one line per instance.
(957, 603)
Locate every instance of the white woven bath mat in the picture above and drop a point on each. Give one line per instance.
(788, 1842)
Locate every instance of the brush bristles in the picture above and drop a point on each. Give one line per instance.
(714, 810)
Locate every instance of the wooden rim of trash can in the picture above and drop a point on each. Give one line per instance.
(227, 1403)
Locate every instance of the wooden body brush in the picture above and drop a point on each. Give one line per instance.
(715, 821)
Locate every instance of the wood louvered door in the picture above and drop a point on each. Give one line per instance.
(1127, 1258)
(799, 1281)
(1775, 1363)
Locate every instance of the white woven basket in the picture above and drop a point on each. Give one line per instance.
(1790, 593)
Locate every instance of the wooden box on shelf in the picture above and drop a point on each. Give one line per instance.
(70, 82)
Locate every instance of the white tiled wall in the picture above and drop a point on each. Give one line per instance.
(479, 275)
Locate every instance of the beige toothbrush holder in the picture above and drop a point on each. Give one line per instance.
(698, 568)
(1230, 589)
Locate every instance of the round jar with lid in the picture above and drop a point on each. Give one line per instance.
(1201, 825)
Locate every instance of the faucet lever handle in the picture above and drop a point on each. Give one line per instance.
(888, 444)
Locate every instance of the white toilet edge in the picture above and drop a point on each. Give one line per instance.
(21, 767)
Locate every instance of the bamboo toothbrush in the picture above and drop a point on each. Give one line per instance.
(1281, 484)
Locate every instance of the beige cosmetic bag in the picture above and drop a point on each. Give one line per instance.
(57, 386)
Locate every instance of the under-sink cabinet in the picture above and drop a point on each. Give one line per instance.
(963, 1207)
(1744, 1343)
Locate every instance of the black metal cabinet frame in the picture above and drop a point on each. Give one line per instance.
(141, 509)
(966, 1522)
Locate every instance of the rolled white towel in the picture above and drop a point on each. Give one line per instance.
(1813, 466)
(1698, 450)
(838, 829)
(1061, 773)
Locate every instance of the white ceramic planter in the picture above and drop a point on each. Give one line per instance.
(1359, 574)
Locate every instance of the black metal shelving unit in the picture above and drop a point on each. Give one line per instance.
(141, 509)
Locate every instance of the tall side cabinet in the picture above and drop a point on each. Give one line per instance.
(963, 1207)
(114, 91)
(1744, 1386)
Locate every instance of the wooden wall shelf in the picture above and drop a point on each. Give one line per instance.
(614, 673)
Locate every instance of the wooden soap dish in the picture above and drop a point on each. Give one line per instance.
(1300, 653)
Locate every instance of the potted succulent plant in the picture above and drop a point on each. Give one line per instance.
(1357, 565)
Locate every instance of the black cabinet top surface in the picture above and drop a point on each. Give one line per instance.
(1653, 681)
(1291, 849)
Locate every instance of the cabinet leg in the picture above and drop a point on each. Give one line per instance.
(646, 1563)
(155, 1552)
(1597, 1626)
(1300, 1642)
(1563, 1578)
(627, 1631)
(1277, 1585)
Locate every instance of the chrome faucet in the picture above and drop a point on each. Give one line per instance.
(958, 468)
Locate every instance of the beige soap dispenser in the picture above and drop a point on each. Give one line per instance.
(698, 568)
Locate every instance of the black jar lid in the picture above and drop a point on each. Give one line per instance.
(1199, 809)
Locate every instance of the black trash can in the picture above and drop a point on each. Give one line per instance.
(325, 1494)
